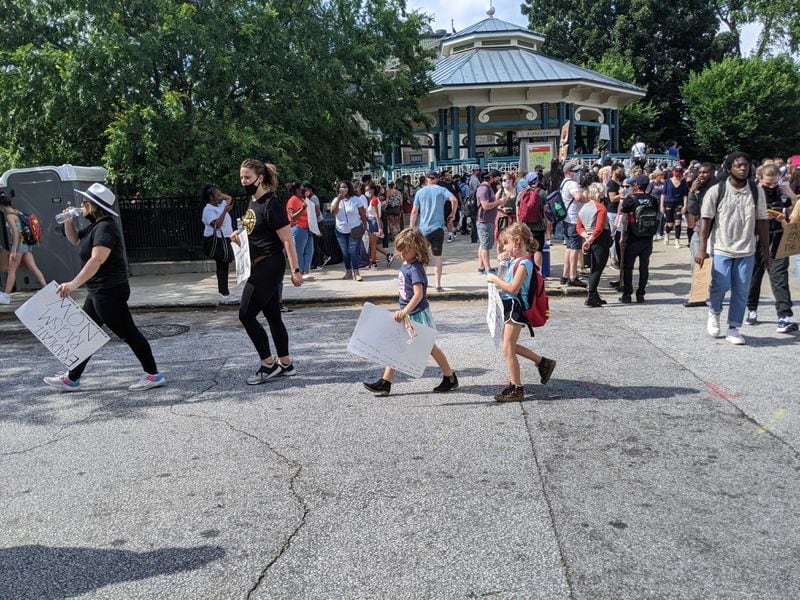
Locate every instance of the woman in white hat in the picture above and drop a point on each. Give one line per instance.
(105, 273)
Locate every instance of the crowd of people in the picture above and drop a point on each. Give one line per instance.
(733, 215)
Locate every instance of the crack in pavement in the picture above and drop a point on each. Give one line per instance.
(292, 486)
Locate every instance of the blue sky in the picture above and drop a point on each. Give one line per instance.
(466, 12)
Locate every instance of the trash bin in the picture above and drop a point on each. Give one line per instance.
(328, 245)
(46, 191)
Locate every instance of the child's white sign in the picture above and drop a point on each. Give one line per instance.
(382, 340)
(62, 326)
(241, 255)
(494, 315)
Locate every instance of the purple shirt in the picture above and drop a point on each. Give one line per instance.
(485, 194)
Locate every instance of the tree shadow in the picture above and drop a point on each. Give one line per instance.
(57, 572)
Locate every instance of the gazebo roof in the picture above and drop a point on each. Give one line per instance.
(492, 25)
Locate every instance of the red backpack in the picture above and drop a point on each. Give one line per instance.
(538, 310)
(530, 206)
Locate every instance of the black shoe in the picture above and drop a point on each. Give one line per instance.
(563, 281)
(448, 384)
(513, 393)
(614, 283)
(639, 298)
(264, 373)
(603, 301)
(286, 309)
(546, 367)
(380, 387)
(593, 302)
(625, 298)
(576, 283)
(287, 370)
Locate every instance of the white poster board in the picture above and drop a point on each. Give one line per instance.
(241, 255)
(62, 326)
(494, 315)
(382, 340)
(311, 211)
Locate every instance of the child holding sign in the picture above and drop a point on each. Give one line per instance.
(414, 308)
(517, 242)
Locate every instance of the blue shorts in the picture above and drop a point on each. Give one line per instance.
(486, 235)
(423, 317)
(372, 225)
(23, 248)
(574, 239)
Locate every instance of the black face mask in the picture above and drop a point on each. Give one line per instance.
(250, 189)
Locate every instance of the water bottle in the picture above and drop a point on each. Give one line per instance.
(501, 272)
(239, 226)
(61, 217)
(546, 260)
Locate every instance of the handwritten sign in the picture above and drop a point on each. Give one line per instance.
(382, 340)
(62, 326)
(494, 315)
(790, 242)
(241, 254)
(311, 211)
(701, 280)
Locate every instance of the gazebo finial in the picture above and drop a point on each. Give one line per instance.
(490, 10)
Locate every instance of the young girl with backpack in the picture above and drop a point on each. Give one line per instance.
(412, 246)
(517, 244)
(20, 253)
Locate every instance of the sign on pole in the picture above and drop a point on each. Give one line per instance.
(241, 255)
(539, 153)
(790, 242)
(382, 340)
(563, 147)
(494, 315)
(62, 326)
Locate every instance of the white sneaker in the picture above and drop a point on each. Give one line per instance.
(713, 325)
(734, 337)
(229, 299)
(677, 243)
(148, 381)
(450, 237)
(657, 237)
(752, 318)
(5, 298)
(309, 277)
(63, 383)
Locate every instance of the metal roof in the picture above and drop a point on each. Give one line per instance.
(490, 25)
(487, 66)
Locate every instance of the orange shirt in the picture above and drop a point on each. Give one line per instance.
(292, 206)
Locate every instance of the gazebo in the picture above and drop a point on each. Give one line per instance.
(494, 90)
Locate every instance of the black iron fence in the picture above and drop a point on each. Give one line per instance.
(168, 228)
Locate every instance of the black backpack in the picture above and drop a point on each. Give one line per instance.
(471, 204)
(643, 221)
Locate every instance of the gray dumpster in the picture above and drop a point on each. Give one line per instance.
(46, 191)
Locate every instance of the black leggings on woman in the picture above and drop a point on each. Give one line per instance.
(110, 307)
(598, 258)
(222, 277)
(262, 295)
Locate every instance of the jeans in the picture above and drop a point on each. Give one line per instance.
(304, 245)
(261, 294)
(350, 250)
(778, 279)
(732, 274)
(613, 250)
(110, 307)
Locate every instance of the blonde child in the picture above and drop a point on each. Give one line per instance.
(413, 248)
(517, 244)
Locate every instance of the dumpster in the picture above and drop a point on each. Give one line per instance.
(46, 191)
(328, 245)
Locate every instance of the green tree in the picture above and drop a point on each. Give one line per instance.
(779, 21)
(750, 104)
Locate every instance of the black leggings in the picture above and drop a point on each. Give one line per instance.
(598, 258)
(222, 277)
(110, 307)
(262, 295)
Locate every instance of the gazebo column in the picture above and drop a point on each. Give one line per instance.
(571, 119)
(615, 131)
(442, 150)
(510, 143)
(561, 114)
(455, 142)
(545, 110)
(592, 134)
(607, 119)
(471, 118)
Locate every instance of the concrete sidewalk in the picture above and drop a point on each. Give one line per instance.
(669, 270)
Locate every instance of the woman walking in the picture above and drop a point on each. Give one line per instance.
(507, 213)
(593, 227)
(105, 273)
(268, 234)
(297, 211)
(375, 225)
(20, 253)
(216, 237)
(351, 219)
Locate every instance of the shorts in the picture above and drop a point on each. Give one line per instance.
(424, 317)
(512, 312)
(23, 248)
(372, 225)
(672, 212)
(448, 208)
(436, 239)
(538, 236)
(485, 235)
(574, 239)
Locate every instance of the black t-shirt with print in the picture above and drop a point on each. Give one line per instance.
(106, 233)
(262, 220)
(612, 187)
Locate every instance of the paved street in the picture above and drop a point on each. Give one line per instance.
(657, 463)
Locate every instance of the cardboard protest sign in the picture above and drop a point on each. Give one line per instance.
(382, 340)
(701, 280)
(241, 255)
(494, 315)
(62, 326)
(790, 242)
(311, 211)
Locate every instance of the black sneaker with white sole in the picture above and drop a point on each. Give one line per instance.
(380, 387)
(264, 373)
(287, 370)
(448, 384)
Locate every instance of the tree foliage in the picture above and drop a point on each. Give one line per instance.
(750, 104)
(168, 94)
(779, 21)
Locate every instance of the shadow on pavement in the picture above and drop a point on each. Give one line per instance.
(51, 572)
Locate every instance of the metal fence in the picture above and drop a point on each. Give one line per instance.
(168, 228)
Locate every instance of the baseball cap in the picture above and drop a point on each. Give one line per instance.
(641, 181)
(571, 165)
(532, 177)
(431, 175)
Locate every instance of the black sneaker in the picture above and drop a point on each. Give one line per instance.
(593, 302)
(380, 387)
(545, 367)
(639, 298)
(287, 370)
(513, 393)
(614, 283)
(563, 281)
(576, 283)
(264, 373)
(625, 299)
(448, 384)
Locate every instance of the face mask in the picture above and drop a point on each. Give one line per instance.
(506, 184)
(250, 188)
(368, 194)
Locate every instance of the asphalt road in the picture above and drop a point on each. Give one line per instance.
(657, 463)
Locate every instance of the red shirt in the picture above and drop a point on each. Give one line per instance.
(292, 206)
